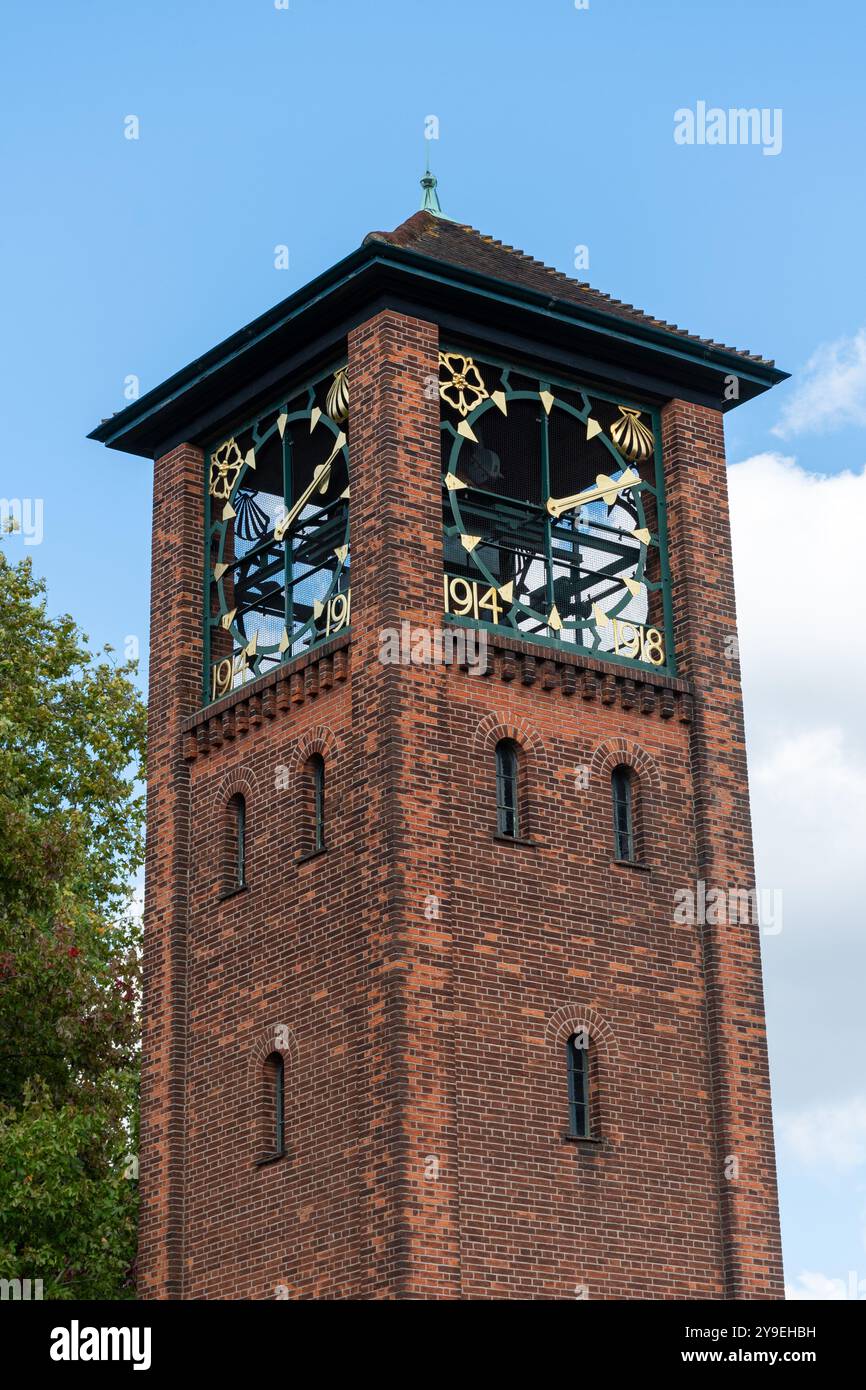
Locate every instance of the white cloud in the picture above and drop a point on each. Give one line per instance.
(827, 1137)
(813, 1285)
(831, 390)
(799, 539)
(808, 793)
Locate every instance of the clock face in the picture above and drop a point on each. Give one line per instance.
(278, 497)
(551, 511)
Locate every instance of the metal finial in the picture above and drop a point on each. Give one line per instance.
(430, 199)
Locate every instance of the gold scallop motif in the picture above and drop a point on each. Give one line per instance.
(630, 435)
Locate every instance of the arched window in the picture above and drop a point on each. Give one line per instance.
(275, 1076)
(507, 789)
(317, 778)
(236, 848)
(577, 1062)
(623, 813)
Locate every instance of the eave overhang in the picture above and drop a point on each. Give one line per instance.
(305, 330)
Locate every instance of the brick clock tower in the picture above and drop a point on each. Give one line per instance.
(445, 731)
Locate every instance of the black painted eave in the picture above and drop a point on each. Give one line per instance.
(307, 329)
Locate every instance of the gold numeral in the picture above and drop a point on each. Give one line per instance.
(652, 642)
(491, 600)
(464, 598)
(338, 612)
(633, 639)
(224, 672)
(461, 597)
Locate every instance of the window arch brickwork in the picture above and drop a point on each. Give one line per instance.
(277, 1040)
(563, 1025)
(646, 790)
(489, 734)
(239, 783)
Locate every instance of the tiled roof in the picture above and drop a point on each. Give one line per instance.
(457, 244)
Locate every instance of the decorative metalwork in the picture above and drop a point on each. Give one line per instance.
(251, 520)
(463, 387)
(319, 483)
(631, 436)
(337, 401)
(606, 490)
(278, 536)
(547, 532)
(225, 466)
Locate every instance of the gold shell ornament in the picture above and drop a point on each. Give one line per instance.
(630, 435)
(464, 389)
(225, 466)
(337, 402)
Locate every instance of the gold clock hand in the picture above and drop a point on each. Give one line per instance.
(606, 489)
(282, 526)
(320, 479)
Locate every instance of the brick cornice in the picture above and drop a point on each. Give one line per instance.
(526, 663)
(573, 674)
(270, 696)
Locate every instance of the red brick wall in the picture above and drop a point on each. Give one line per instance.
(400, 721)
(277, 966)
(553, 935)
(421, 976)
(705, 623)
(174, 693)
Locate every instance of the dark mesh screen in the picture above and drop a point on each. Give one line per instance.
(279, 539)
(505, 459)
(554, 503)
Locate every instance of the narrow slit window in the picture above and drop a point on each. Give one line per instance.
(507, 799)
(279, 1104)
(238, 830)
(577, 1059)
(623, 813)
(272, 1109)
(318, 777)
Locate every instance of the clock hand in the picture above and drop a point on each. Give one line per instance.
(606, 489)
(321, 476)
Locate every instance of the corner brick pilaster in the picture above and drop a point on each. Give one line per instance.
(705, 625)
(402, 761)
(175, 679)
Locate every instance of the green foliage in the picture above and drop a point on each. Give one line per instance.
(72, 732)
(67, 1214)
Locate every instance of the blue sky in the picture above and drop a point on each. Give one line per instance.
(304, 126)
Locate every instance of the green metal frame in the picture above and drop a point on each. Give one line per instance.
(306, 386)
(622, 806)
(547, 381)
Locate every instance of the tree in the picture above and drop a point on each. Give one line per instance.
(72, 728)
